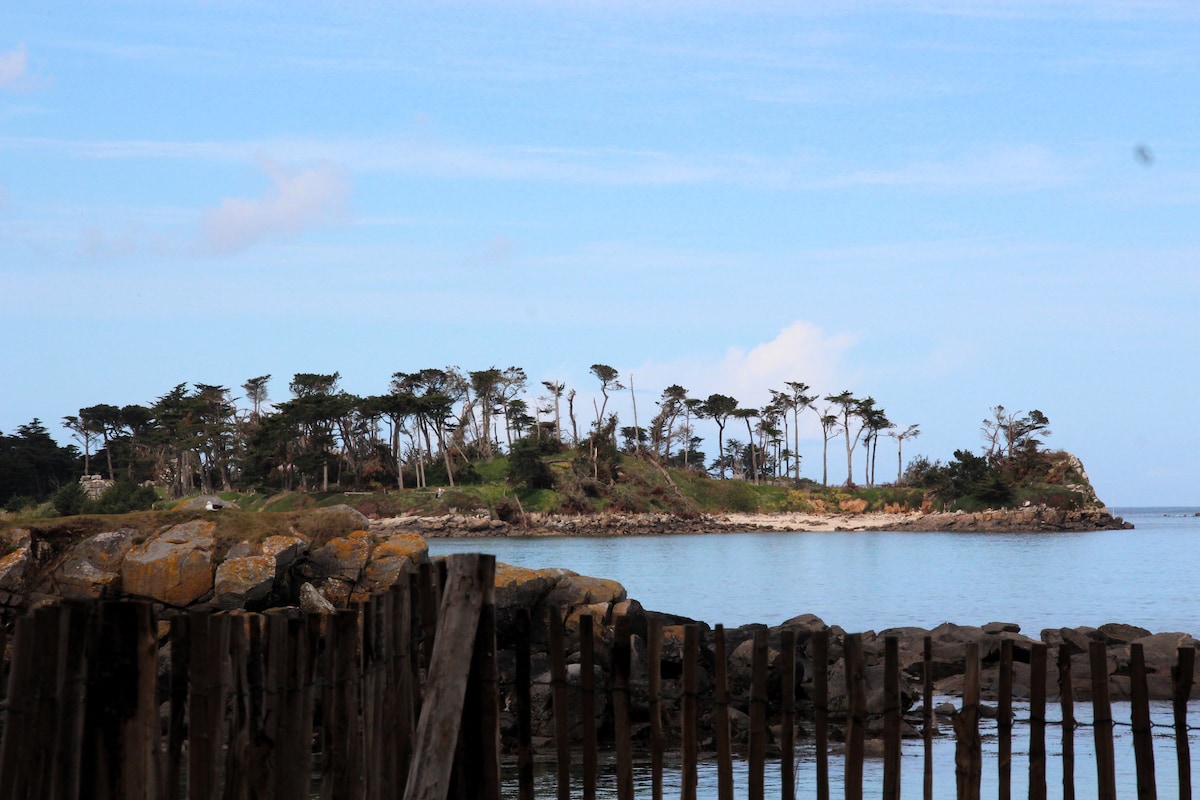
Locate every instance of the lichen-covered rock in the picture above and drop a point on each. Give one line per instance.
(15, 566)
(389, 560)
(107, 550)
(577, 590)
(83, 579)
(244, 582)
(335, 567)
(174, 567)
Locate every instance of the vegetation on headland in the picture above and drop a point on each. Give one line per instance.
(442, 440)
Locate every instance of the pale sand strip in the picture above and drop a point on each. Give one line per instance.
(801, 521)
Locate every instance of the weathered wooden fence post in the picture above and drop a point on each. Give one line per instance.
(891, 718)
(1182, 676)
(968, 756)
(820, 660)
(121, 743)
(206, 702)
(177, 702)
(1102, 723)
(1066, 700)
(621, 657)
(1004, 719)
(758, 715)
(1143, 741)
(1037, 721)
(481, 711)
(449, 665)
(927, 716)
(587, 702)
(787, 719)
(856, 691)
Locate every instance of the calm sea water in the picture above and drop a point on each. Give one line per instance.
(875, 580)
(881, 579)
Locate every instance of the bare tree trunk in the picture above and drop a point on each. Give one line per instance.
(571, 411)
(637, 439)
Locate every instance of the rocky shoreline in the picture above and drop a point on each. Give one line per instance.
(179, 569)
(1030, 519)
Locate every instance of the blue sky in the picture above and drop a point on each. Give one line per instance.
(943, 205)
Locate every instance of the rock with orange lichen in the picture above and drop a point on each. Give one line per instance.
(174, 567)
(335, 567)
(244, 582)
(391, 558)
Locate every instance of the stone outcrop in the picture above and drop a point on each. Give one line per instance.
(175, 567)
(181, 567)
(1031, 518)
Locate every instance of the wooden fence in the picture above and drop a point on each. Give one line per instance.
(400, 697)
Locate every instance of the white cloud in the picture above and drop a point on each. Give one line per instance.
(297, 200)
(800, 352)
(13, 67)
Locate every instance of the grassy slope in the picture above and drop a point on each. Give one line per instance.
(640, 487)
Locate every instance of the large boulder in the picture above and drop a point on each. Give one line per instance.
(92, 569)
(174, 567)
(244, 582)
(390, 559)
(335, 567)
(14, 566)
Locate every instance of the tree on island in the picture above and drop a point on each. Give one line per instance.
(718, 408)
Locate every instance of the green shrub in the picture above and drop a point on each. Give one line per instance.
(122, 497)
(70, 499)
(18, 503)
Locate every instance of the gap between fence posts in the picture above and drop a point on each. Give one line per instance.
(524, 714)
(689, 712)
(562, 713)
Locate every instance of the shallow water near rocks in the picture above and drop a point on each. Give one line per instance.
(876, 580)
(872, 580)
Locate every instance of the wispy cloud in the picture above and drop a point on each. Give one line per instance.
(14, 66)
(1004, 168)
(296, 201)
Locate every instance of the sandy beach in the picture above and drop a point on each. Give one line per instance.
(803, 521)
